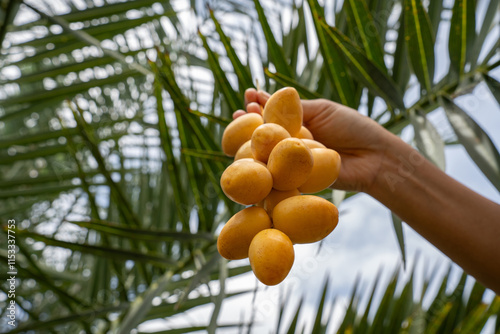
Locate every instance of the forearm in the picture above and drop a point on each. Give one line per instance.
(461, 223)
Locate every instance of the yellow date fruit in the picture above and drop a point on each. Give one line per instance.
(290, 164)
(244, 152)
(305, 218)
(265, 138)
(235, 237)
(304, 133)
(271, 256)
(246, 181)
(325, 170)
(313, 143)
(239, 131)
(284, 108)
(276, 196)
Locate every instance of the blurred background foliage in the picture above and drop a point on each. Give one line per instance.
(111, 114)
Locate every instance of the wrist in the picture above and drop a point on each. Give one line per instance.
(399, 163)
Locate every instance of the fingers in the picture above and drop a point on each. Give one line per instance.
(314, 108)
(258, 96)
(254, 99)
(262, 97)
(250, 96)
(254, 107)
(238, 113)
(311, 109)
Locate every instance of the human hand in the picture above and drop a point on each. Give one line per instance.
(360, 141)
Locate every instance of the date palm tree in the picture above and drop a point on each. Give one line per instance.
(111, 114)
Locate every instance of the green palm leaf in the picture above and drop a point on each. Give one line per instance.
(420, 42)
(462, 34)
(138, 233)
(484, 31)
(342, 86)
(304, 92)
(477, 143)
(171, 163)
(364, 69)
(397, 223)
(494, 87)
(401, 67)
(273, 48)
(103, 251)
(220, 77)
(245, 80)
(361, 21)
(428, 139)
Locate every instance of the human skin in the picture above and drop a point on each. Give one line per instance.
(461, 223)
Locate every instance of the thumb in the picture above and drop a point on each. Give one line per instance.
(311, 108)
(262, 97)
(322, 108)
(258, 96)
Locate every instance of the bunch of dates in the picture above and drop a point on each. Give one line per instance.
(277, 166)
